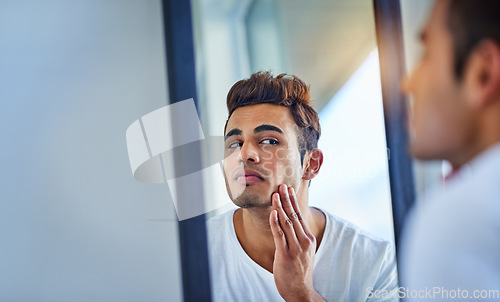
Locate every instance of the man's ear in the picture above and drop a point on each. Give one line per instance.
(312, 163)
(482, 74)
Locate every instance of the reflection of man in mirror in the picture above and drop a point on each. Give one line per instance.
(275, 246)
(452, 239)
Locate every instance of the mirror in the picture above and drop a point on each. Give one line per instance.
(331, 46)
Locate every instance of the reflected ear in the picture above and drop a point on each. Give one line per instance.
(312, 164)
(482, 74)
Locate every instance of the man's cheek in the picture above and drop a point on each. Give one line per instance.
(293, 157)
(267, 168)
(225, 169)
(281, 154)
(268, 153)
(289, 172)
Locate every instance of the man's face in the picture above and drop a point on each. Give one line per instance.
(440, 118)
(261, 152)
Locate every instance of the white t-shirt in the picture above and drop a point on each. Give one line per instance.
(450, 247)
(348, 265)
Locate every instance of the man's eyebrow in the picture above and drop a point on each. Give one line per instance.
(234, 131)
(262, 128)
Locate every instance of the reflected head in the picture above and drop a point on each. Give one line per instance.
(469, 23)
(283, 90)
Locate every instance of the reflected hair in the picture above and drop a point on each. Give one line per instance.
(469, 23)
(283, 90)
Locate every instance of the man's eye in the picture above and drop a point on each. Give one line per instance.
(234, 145)
(269, 141)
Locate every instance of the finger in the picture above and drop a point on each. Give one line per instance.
(285, 200)
(300, 229)
(288, 207)
(295, 205)
(285, 223)
(278, 235)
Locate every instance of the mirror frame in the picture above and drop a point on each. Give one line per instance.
(179, 48)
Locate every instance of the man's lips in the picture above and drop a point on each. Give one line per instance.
(248, 176)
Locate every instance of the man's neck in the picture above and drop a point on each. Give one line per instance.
(472, 150)
(486, 134)
(254, 233)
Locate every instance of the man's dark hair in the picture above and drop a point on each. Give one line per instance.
(471, 22)
(283, 90)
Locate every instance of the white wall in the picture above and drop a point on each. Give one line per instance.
(74, 225)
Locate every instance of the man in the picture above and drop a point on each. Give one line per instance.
(275, 246)
(451, 243)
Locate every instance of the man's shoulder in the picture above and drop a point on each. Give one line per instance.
(470, 198)
(348, 231)
(347, 249)
(219, 228)
(220, 218)
(343, 239)
(461, 218)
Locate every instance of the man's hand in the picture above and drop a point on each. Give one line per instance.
(295, 249)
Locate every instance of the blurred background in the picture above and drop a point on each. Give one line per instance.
(74, 224)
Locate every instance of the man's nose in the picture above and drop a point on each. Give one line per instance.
(249, 153)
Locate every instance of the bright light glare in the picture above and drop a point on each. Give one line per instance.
(354, 181)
